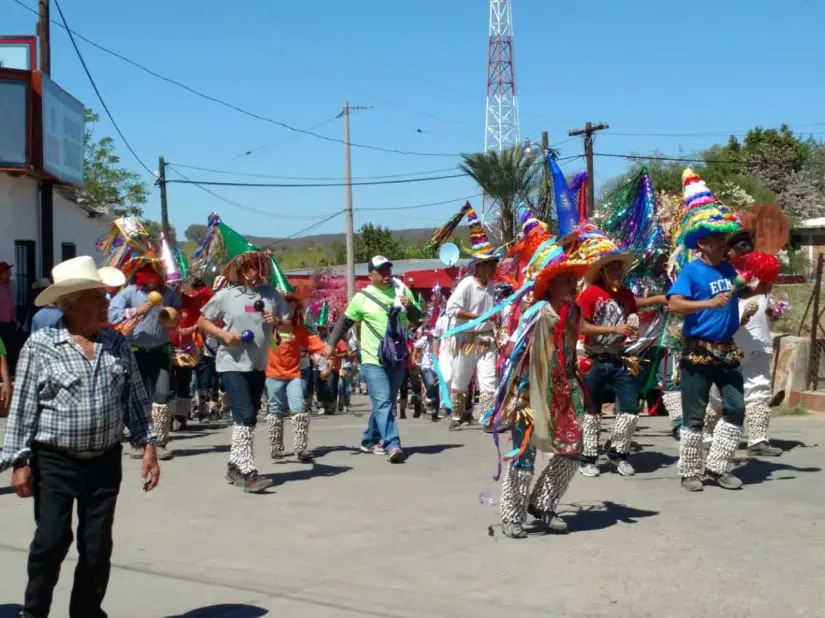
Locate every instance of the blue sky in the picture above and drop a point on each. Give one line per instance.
(642, 66)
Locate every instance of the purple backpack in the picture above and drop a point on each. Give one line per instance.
(392, 351)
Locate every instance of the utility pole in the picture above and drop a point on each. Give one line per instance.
(164, 207)
(588, 131)
(46, 186)
(544, 197)
(345, 113)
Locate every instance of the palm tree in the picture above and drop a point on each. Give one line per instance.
(506, 177)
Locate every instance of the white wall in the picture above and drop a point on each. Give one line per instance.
(73, 224)
(18, 213)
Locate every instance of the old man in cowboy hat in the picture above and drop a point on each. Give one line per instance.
(77, 389)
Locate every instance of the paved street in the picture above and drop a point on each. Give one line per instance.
(355, 536)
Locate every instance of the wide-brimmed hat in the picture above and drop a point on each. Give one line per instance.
(76, 275)
(577, 268)
(598, 251)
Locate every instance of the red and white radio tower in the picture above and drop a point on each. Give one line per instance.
(501, 128)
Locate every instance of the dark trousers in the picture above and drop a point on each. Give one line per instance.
(182, 382)
(155, 367)
(207, 377)
(59, 481)
(696, 381)
(327, 390)
(308, 379)
(244, 390)
(610, 373)
(11, 339)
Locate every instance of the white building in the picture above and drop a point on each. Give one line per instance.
(76, 230)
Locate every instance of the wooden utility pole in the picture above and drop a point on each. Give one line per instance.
(164, 207)
(345, 113)
(588, 131)
(348, 207)
(46, 186)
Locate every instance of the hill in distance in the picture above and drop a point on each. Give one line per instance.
(411, 236)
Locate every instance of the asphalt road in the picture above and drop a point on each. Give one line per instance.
(355, 536)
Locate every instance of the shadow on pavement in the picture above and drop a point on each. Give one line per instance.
(232, 610)
(311, 471)
(10, 610)
(649, 461)
(789, 445)
(756, 471)
(321, 451)
(203, 450)
(429, 449)
(601, 515)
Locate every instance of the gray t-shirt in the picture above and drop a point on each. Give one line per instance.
(235, 306)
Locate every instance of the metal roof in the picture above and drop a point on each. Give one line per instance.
(399, 267)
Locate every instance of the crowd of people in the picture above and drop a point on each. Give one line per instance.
(546, 332)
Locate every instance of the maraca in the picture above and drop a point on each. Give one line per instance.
(247, 336)
(585, 365)
(154, 298)
(169, 317)
(260, 308)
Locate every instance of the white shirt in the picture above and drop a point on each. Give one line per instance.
(425, 344)
(470, 296)
(755, 336)
(442, 325)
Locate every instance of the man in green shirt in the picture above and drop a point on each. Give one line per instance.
(371, 307)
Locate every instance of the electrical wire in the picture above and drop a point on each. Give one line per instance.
(417, 206)
(306, 229)
(226, 104)
(251, 209)
(338, 178)
(658, 158)
(97, 91)
(319, 184)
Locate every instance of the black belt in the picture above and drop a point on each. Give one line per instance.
(73, 454)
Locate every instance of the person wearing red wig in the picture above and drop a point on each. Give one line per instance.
(149, 342)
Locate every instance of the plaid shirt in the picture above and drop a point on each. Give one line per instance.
(63, 399)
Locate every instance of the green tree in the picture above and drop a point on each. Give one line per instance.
(108, 187)
(195, 233)
(374, 240)
(154, 229)
(506, 177)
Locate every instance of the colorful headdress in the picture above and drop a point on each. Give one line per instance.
(221, 242)
(703, 214)
(323, 316)
(567, 212)
(127, 246)
(596, 249)
(564, 265)
(480, 247)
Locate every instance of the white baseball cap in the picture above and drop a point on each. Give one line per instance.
(379, 261)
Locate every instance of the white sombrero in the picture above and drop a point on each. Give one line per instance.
(76, 275)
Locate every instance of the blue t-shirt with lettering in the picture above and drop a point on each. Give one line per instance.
(702, 281)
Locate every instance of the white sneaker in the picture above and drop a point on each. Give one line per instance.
(589, 469)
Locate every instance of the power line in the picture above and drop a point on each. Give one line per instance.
(65, 25)
(658, 158)
(306, 229)
(250, 175)
(226, 200)
(458, 199)
(319, 184)
(232, 106)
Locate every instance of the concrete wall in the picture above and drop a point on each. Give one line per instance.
(18, 213)
(72, 224)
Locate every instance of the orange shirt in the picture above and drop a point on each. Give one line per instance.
(341, 348)
(284, 361)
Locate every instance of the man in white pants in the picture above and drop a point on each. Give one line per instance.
(475, 348)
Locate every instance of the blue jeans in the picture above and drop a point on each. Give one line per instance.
(244, 390)
(383, 385)
(430, 386)
(697, 381)
(285, 395)
(345, 388)
(610, 373)
(308, 379)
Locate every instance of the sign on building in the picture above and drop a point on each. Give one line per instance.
(63, 129)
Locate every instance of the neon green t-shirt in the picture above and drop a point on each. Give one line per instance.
(370, 314)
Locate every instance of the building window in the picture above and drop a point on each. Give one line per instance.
(68, 250)
(25, 267)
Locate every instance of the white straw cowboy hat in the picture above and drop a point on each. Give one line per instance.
(76, 275)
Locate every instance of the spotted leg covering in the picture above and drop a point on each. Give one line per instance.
(300, 433)
(552, 483)
(726, 438)
(712, 416)
(275, 424)
(459, 403)
(162, 419)
(673, 405)
(514, 495)
(757, 418)
(691, 460)
(485, 402)
(623, 429)
(591, 426)
(241, 453)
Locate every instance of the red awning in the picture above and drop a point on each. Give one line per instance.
(426, 279)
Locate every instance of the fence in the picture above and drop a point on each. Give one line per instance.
(816, 373)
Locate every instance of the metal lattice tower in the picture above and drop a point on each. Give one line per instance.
(501, 129)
